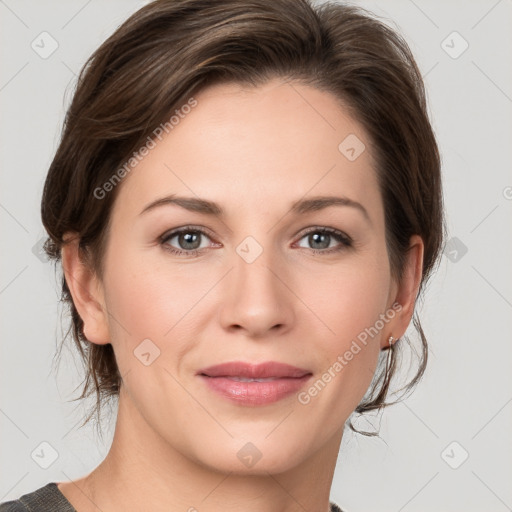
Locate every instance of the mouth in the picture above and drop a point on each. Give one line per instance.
(245, 379)
(243, 370)
(252, 385)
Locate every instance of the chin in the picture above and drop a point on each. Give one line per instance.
(246, 457)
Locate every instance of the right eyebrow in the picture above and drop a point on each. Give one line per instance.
(192, 204)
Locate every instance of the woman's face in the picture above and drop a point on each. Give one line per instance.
(259, 282)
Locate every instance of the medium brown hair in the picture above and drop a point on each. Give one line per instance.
(171, 49)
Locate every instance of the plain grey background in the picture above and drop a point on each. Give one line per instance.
(447, 447)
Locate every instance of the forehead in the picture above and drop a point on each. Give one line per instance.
(248, 147)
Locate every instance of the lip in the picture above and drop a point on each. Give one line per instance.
(253, 371)
(285, 380)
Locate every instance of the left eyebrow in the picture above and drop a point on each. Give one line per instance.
(301, 207)
(321, 202)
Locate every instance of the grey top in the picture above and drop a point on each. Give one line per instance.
(45, 499)
(50, 499)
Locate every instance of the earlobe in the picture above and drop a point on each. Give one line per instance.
(408, 288)
(86, 291)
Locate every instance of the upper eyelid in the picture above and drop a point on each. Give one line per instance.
(176, 231)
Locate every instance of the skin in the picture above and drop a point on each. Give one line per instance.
(254, 151)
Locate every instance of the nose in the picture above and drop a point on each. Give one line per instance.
(258, 298)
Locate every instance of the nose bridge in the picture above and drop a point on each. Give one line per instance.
(252, 263)
(258, 299)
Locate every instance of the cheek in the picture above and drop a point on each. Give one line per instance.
(151, 300)
(350, 303)
(347, 300)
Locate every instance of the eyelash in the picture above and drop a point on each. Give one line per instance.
(345, 241)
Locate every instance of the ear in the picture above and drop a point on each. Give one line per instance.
(406, 291)
(86, 291)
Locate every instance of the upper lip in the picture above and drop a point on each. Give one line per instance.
(258, 371)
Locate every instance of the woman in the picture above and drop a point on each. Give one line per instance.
(246, 203)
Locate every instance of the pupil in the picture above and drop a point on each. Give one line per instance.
(317, 238)
(187, 240)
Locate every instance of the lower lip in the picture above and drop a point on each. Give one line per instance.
(255, 393)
